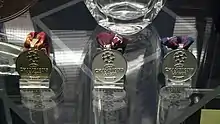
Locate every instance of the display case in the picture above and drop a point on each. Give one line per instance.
(109, 62)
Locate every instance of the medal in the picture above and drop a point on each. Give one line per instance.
(34, 62)
(109, 66)
(179, 65)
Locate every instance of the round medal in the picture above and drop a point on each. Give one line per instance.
(33, 64)
(10, 9)
(109, 66)
(179, 65)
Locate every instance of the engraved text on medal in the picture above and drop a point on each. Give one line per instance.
(178, 72)
(33, 70)
(109, 71)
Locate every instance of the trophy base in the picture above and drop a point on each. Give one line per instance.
(42, 84)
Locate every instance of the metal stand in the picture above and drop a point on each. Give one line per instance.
(174, 98)
(30, 84)
(108, 102)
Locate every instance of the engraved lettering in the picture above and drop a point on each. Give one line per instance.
(109, 71)
(33, 71)
(178, 73)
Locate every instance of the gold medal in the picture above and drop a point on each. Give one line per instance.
(33, 64)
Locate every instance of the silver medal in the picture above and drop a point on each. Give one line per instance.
(179, 65)
(109, 66)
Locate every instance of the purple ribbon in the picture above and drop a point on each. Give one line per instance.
(176, 41)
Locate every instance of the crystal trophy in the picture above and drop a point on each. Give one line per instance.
(124, 17)
(109, 68)
(179, 66)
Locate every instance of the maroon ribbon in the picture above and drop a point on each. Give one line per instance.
(176, 41)
(42, 42)
(108, 38)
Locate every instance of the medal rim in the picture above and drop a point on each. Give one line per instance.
(126, 65)
(185, 79)
(23, 52)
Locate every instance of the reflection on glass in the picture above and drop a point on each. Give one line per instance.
(124, 17)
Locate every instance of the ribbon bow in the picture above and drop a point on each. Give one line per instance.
(40, 41)
(109, 39)
(176, 41)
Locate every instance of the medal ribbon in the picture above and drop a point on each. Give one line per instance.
(37, 40)
(109, 39)
(175, 42)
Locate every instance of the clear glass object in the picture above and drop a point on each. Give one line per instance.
(125, 17)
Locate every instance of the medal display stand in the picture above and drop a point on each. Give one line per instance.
(173, 98)
(29, 84)
(36, 94)
(34, 67)
(173, 94)
(142, 53)
(109, 100)
(108, 95)
(179, 66)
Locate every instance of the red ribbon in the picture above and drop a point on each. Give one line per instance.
(41, 44)
(108, 38)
